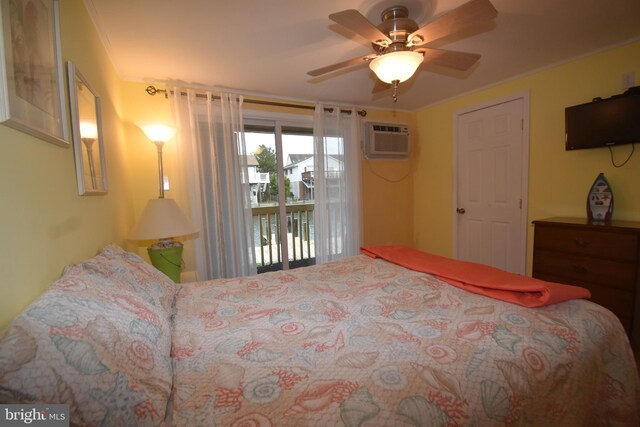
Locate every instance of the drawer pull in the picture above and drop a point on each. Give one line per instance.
(581, 243)
(580, 269)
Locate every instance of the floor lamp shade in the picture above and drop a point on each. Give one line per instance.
(157, 132)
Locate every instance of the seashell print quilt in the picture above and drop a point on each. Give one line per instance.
(363, 342)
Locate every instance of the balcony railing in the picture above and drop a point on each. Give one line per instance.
(300, 236)
(330, 174)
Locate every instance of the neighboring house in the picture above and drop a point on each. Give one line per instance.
(258, 181)
(299, 169)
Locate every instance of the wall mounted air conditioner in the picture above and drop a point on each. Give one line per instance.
(386, 140)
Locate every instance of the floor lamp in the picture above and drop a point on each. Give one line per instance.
(162, 219)
(89, 135)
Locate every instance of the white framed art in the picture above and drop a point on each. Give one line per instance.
(31, 76)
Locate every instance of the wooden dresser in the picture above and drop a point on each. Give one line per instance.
(604, 258)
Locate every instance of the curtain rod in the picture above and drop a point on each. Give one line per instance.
(152, 90)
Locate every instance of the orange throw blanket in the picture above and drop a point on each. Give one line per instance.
(480, 279)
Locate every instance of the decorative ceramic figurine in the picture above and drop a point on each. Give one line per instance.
(600, 200)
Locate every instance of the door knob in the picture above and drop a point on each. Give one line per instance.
(460, 210)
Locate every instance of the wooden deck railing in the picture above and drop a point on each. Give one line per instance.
(300, 233)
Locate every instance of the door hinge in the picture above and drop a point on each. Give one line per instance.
(520, 203)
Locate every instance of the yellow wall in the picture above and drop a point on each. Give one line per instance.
(45, 224)
(387, 190)
(558, 180)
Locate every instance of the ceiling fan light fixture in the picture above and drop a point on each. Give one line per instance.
(396, 66)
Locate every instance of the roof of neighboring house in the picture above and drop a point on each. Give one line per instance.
(338, 157)
(294, 159)
(251, 160)
(297, 158)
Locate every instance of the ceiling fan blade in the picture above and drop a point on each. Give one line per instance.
(380, 86)
(343, 64)
(356, 22)
(455, 20)
(448, 58)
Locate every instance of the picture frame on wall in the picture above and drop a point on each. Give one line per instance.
(32, 96)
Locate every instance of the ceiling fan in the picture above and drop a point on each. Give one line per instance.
(399, 43)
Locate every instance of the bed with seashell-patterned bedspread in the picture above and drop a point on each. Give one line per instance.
(362, 341)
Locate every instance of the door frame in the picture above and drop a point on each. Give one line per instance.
(524, 163)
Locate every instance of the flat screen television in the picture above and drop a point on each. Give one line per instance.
(604, 122)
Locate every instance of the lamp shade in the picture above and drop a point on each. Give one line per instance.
(157, 132)
(394, 66)
(162, 219)
(88, 129)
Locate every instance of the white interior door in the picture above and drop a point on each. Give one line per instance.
(492, 166)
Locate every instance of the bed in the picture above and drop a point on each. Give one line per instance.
(363, 341)
(357, 342)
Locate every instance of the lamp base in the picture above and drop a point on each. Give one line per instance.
(168, 260)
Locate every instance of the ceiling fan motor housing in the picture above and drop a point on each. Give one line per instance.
(397, 25)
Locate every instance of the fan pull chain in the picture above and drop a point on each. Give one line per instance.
(395, 90)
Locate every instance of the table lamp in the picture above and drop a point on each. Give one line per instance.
(162, 219)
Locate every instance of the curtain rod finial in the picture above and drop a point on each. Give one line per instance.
(151, 90)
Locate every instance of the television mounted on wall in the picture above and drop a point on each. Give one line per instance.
(604, 122)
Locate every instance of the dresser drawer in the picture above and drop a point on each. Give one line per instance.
(621, 246)
(581, 269)
(620, 302)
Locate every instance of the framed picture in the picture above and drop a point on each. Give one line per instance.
(31, 77)
(86, 126)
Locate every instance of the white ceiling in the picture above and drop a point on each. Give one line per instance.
(267, 46)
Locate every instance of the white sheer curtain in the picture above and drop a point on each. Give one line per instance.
(337, 212)
(212, 153)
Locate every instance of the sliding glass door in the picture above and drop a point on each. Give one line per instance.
(281, 175)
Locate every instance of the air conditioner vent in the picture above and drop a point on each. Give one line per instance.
(387, 128)
(386, 140)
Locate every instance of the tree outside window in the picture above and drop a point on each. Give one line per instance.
(267, 162)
